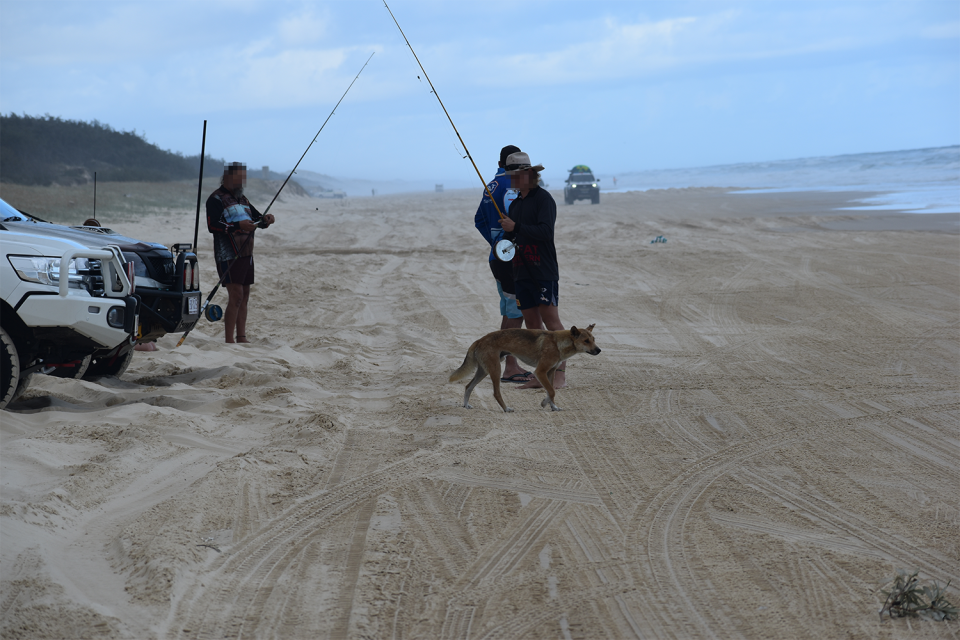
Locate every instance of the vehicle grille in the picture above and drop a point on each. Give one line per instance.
(93, 277)
(164, 270)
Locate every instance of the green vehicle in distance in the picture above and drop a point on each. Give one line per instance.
(581, 185)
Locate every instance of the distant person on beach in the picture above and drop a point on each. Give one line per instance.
(487, 222)
(530, 224)
(233, 220)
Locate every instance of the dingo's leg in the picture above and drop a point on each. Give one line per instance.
(473, 383)
(492, 364)
(546, 379)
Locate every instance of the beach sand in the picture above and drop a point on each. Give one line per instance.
(770, 432)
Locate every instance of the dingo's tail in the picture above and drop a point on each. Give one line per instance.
(469, 365)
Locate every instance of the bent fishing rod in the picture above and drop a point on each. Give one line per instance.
(206, 302)
(434, 90)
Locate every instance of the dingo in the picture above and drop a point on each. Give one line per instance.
(544, 350)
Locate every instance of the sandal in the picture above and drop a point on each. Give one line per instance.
(517, 377)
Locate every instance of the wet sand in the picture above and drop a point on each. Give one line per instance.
(770, 431)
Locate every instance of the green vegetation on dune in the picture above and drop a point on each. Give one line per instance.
(48, 150)
(72, 204)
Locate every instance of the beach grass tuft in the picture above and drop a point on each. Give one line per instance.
(907, 597)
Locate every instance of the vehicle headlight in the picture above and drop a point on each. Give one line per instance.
(594, 184)
(196, 276)
(46, 270)
(187, 276)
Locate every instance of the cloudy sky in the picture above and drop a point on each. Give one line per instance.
(621, 86)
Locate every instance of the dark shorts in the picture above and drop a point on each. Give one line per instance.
(533, 293)
(239, 271)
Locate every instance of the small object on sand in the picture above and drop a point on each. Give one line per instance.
(658, 239)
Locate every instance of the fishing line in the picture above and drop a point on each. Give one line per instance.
(434, 91)
(250, 235)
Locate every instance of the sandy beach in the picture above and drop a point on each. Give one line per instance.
(771, 431)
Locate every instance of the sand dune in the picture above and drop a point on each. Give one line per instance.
(770, 431)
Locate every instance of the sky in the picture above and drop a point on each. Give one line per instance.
(620, 86)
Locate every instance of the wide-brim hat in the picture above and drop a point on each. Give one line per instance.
(520, 161)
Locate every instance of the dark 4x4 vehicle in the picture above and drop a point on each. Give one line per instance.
(581, 185)
(166, 284)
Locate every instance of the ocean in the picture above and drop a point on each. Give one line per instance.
(917, 180)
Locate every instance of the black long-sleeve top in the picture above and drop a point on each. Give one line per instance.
(536, 217)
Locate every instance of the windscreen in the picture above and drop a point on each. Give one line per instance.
(8, 213)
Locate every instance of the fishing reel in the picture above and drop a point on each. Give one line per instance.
(505, 250)
(213, 312)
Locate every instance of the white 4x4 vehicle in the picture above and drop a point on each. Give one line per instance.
(61, 302)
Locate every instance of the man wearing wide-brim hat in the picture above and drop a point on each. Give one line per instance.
(530, 225)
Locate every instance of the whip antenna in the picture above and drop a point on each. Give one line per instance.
(434, 91)
(206, 302)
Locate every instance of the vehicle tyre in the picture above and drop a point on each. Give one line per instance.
(110, 365)
(595, 199)
(10, 387)
(76, 372)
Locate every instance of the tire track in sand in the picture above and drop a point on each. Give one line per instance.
(666, 575)
(498, 559)
(240, 582)
(892, 546)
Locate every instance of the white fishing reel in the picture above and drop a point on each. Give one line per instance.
(505, 250)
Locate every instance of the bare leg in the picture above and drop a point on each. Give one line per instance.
(234, 300)
(532, 319)
(242, 315)
(511, 366)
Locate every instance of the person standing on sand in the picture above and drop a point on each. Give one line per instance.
(530, 224)
(487, 222)
(233, 220)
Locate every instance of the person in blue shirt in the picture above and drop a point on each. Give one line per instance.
(487, 221)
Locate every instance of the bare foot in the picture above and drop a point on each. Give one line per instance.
(533, 384)
(242, 340)
(559, 381)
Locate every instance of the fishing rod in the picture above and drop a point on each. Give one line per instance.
(318, 132)
(250, 235)
(203, 151)
(434, 90)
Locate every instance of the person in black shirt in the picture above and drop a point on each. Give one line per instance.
(233, 220)
(530, 225)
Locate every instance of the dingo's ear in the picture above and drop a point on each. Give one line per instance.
(590, 328)
(574, 332)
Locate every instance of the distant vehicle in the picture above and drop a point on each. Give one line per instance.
(581, 185)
